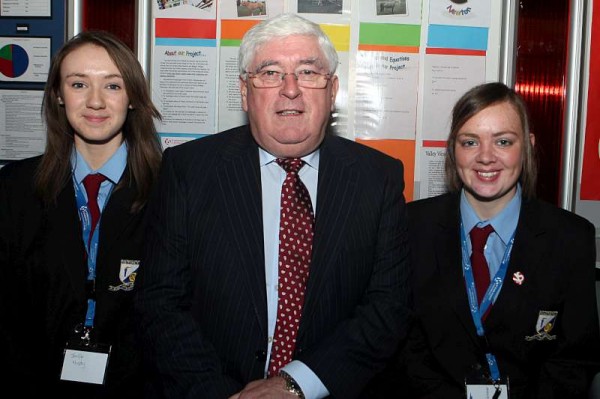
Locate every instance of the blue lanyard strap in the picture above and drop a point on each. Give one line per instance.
(477, 310)
(91, 249)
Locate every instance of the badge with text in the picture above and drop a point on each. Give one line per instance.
(487, 391)
(85, 363)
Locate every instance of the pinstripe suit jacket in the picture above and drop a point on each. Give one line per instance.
(202, 297)
(43, 271)
(554, 250)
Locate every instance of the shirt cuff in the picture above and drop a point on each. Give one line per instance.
(307, 380)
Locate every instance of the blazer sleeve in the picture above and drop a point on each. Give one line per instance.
(358, 347)
(568, 372)
(425, 378)
(181, 362)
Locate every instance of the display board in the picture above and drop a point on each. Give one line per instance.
(403, 64)
(31, 31)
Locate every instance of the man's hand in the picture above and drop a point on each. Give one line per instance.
(272, 388)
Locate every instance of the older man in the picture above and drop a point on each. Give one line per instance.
(276, 262)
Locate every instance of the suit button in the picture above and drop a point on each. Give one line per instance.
(260, 355)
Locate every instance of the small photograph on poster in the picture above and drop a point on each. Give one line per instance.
(391, 7)
(251, 8)
(406, 12)
(164, 4)
(320, 6)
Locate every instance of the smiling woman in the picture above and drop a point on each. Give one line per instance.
(514, 307)
(71, 247)
(95, 101)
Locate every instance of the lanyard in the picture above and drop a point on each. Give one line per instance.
(490, 296)
(91, 249)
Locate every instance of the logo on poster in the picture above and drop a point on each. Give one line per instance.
(458, 12)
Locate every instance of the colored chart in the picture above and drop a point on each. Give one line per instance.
(14, 61)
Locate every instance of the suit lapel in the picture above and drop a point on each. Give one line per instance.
(239, 187)
(336, 189)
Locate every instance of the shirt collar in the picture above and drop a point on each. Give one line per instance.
(312, 159)
(113, 168)
(504, 223)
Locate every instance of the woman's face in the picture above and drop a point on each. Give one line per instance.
(489, 155)
(93, 93)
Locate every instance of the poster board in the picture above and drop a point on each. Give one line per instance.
(403, 64)
(31, 31)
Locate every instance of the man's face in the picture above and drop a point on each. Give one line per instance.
(289, 121)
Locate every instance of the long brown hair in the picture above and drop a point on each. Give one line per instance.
(474, 101)
(139, 132)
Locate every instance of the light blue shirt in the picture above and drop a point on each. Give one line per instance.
(113, 170)
(504, 224)
(272, 177)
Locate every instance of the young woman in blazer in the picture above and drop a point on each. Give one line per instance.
(534, 332)
(66, 306)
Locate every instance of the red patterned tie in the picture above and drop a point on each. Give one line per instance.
(92, 186)
(481, 272)
(295, 249)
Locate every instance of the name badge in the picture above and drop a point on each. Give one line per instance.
(487, 391)
(85, 364)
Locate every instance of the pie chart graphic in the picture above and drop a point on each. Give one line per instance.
(13, 61)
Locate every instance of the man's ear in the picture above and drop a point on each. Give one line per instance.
(244, 93)
(335, 86)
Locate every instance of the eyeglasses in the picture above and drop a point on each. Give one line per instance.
(306, 78)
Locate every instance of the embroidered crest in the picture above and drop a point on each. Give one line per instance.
(127, 275)
(543, 327)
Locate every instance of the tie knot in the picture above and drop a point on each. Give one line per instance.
(479, 236)
(92, 184)
(290, 165)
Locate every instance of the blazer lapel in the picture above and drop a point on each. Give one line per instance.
(523, 259)
(336, 189)
(449, 256)
(115, 217)
(66, 242)
(239, 187)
